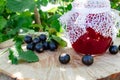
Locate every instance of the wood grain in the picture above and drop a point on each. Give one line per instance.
(49, 68)
(7, 43)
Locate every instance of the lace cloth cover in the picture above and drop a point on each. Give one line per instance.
(95, 14)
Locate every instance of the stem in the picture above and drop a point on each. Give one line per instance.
(37, 16)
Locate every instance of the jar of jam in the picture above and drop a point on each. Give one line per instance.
(90, 26)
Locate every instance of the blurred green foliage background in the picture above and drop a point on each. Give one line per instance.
(21, 16)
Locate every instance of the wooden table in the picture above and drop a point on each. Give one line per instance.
(105, 67)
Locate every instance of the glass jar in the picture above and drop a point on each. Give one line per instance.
(90, 26)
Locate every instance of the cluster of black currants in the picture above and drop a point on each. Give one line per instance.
(40, 43)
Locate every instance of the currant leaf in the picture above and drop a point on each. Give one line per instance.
(59, 40)
(12, 57)
(29, 56)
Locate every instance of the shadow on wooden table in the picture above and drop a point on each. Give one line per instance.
(6, 77)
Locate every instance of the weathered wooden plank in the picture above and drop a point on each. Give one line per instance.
(7, 43)
(49, 68)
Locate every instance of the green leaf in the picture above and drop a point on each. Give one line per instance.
(53, 17)
(53, 10)
(13, 32)
(67, 0)
(115, 1)
(61, 10)
(3, 22)
(3, 37)
(18, 43)
(55, 24)
(2, 5)
(29, 56)
(13, 58)
(42, 2)
(59, 40)
(20, 5)
(52, 31)
(44, 15)
(69, 7)
(24, 19)
(118, 7)
(37, 27)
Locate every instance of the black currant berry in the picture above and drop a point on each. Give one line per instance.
(113, 49)
(64, 58)
(52, 46)
(45, 45)
(87, 60)
(30, 46)
(39, 47)
(28, 39)
(119, 47)
(36, 40)
(54, 42)
(42, 37)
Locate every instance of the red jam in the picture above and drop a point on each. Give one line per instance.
(92, 43)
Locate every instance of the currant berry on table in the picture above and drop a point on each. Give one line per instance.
(42, 37)
(87, 60)
(28, 39)
(39, 48)
(119, 47)
(113, 49)
(45, 45)
(52, 46)
(30, 46)
(64, 58)
(36, 40)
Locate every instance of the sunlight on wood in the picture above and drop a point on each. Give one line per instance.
(79, 78)
(9, 61)
(62, 69)
(18, 75)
